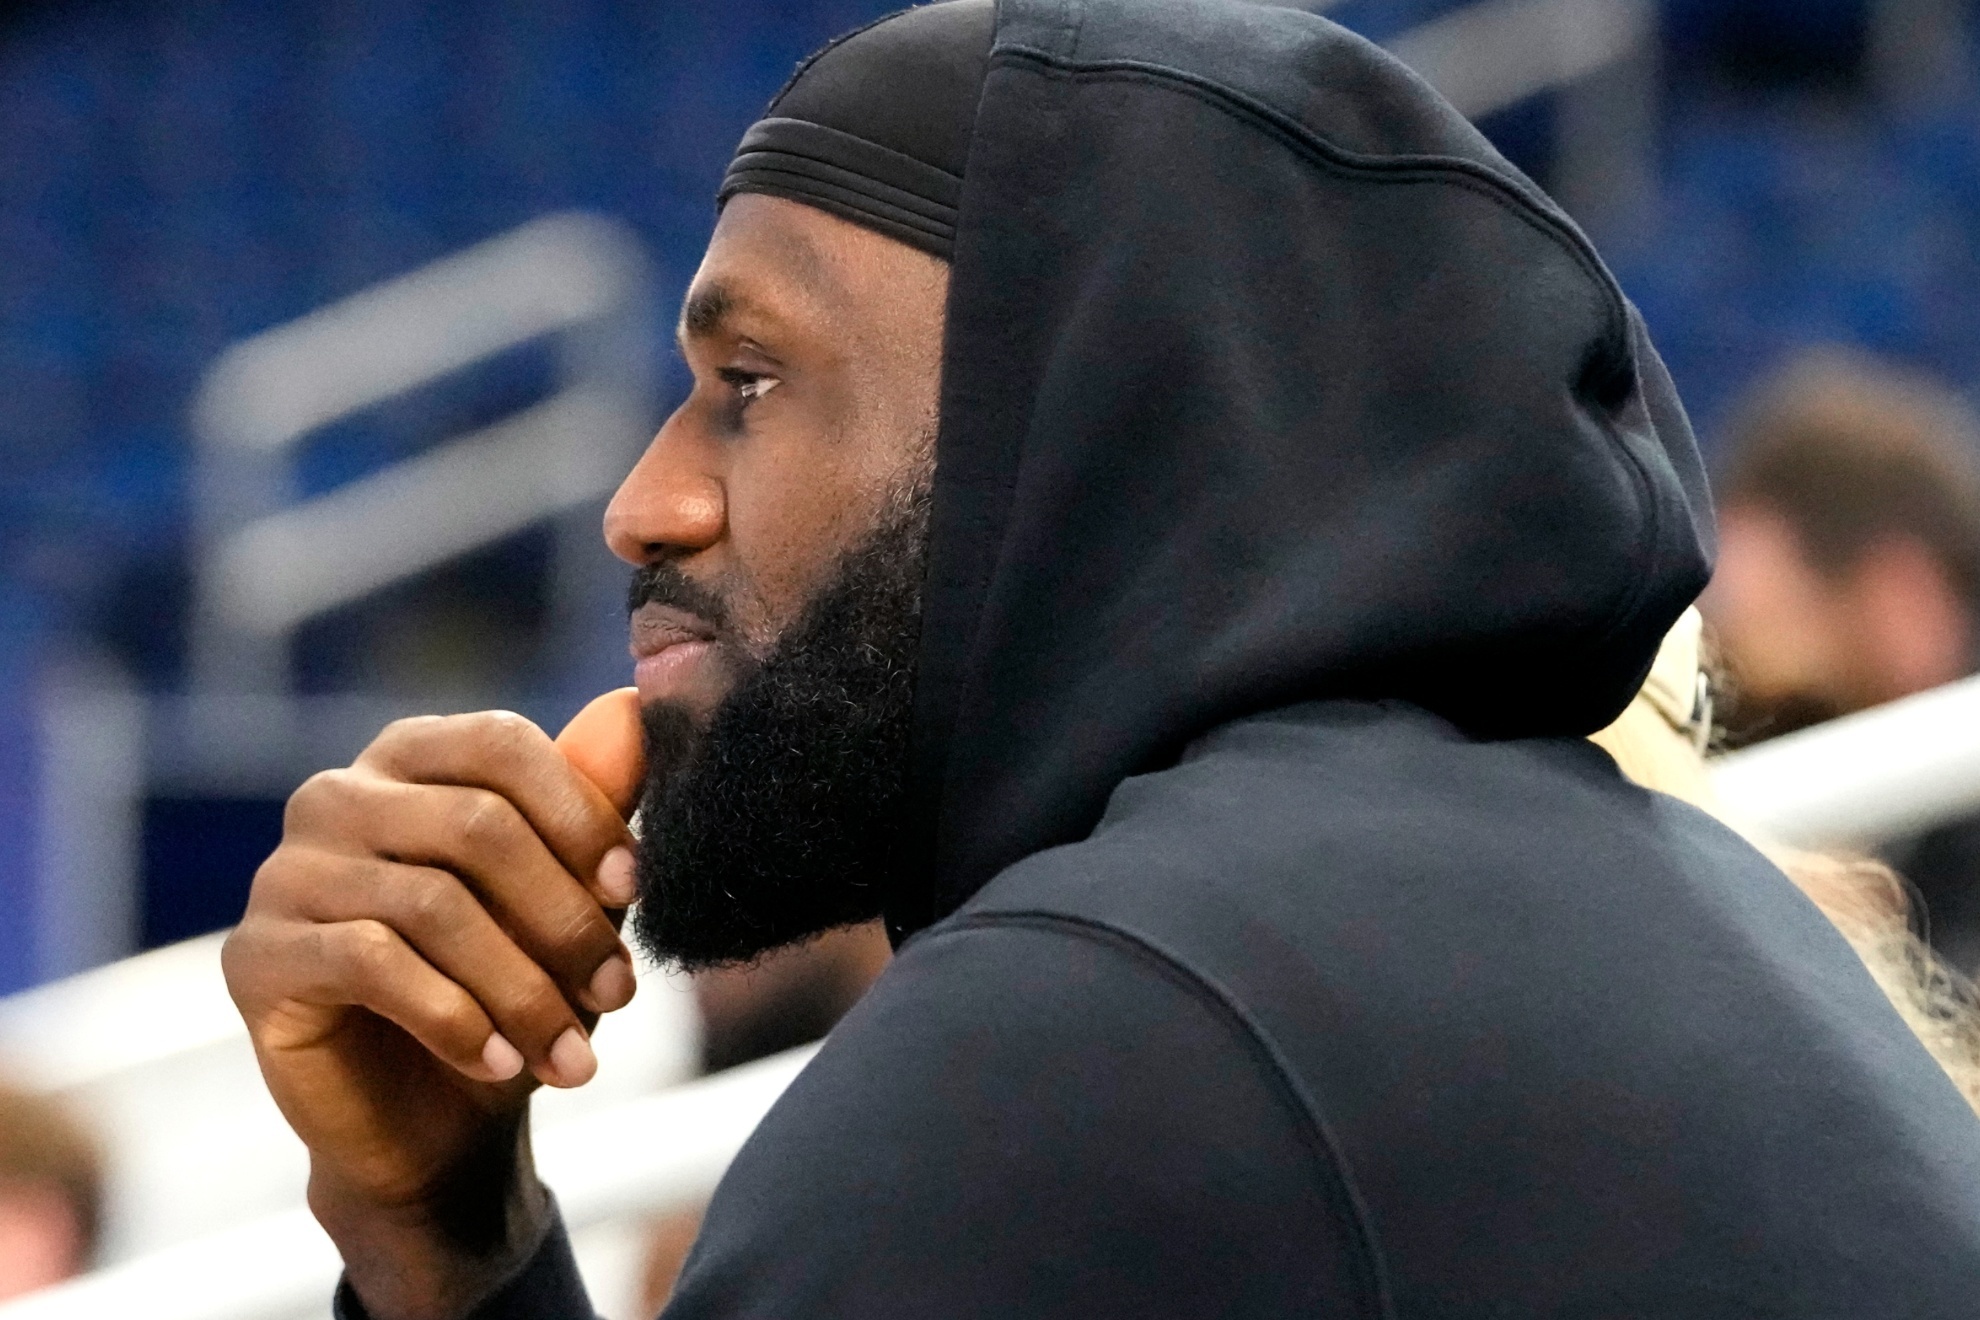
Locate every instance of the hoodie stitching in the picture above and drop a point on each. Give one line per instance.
(1075, 27)
(1452, 170)
(1224, 1005)
(1427, 168)
(1065, 27)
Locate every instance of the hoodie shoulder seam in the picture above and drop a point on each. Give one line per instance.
(1256, 1041)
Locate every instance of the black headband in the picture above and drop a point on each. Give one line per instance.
(853, 178)
(875, 128)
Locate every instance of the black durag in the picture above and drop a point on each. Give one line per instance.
(876, 127)
(782, 818)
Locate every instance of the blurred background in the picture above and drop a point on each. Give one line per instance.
(231, 540)
(326, 327)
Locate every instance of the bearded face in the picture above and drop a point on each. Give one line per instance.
(780, 816)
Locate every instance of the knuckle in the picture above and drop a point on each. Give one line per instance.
(270, 878)
(237, 958)
(488, 822)
(367, 949)
(400, 732)
(314, 802)
(287, 882)
(452, 1012)
(253, 968)
(429, 900)
(390, 748)
(499, 730)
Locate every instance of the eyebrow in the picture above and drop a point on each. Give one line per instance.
(704, 311)
(709, 305)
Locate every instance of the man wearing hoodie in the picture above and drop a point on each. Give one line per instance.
(1160, 503)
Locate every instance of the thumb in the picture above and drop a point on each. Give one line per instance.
(603, 743)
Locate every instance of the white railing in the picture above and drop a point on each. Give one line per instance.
(1860, 780)
(150, 1053)
(268, 562)
(1487, 56)
(1597, 57)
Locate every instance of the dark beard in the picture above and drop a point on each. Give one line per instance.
(784, 819)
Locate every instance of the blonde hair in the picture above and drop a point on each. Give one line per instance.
(1659, 748)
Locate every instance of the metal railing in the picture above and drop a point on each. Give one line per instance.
(267, 560)
(152, 1055)
(1858, 781)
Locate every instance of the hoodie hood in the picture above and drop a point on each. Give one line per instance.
(1267, 379)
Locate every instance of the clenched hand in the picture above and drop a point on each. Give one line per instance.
(436, 935)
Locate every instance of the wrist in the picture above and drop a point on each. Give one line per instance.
(439, 1256)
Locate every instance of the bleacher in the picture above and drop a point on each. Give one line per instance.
(174, 178)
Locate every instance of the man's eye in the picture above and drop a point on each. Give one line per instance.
(748, 385)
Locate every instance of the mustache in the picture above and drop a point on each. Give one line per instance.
(663, 583)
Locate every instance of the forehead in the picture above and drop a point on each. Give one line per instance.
(768, 258)
(772, 260)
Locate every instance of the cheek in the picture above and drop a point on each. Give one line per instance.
(793, 509)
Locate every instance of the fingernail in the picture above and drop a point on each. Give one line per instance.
(612, 985)
(616, 879)
(571, 1058)
(502, 1059)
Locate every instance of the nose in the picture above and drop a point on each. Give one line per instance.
(667, 505)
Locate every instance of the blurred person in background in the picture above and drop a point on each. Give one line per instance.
(1849, 575)
(1659, 740)
(50, 1193)
(1188, 647)
(1849, 552)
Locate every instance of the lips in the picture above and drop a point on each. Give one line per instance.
(657, 627)
(676, 658)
